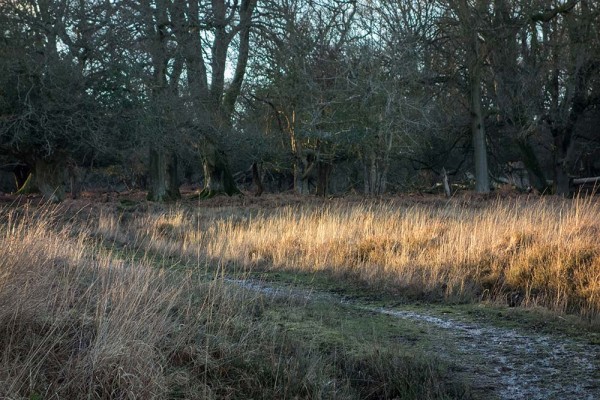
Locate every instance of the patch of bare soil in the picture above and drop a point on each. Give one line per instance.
(498, 362)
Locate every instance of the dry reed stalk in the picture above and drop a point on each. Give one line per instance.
(546, 251)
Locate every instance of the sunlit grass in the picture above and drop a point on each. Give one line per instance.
(81, 316)
(528, 252)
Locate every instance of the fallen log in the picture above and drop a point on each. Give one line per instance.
(583, 181)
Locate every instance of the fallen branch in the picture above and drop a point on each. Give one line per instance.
(583, 181)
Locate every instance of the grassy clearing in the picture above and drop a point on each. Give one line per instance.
(80, 321)
(524, 252)
(85, 312)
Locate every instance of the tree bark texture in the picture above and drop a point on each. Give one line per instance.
(482, 180)
(50, 178)
(323, 174)
(257, 179)
(163, 174)
(217, 175)
(532, 164)
(157, 190)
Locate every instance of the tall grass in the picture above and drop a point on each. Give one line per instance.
(532, 252)
(79, 321)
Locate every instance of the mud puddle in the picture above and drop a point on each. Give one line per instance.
(498, 362)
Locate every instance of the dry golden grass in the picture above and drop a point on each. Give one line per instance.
(86, 313)
(79, 321)
(532, 252)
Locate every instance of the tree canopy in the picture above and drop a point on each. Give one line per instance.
(318, 96)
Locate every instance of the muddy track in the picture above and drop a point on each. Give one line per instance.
(498, 362)
(514, 365)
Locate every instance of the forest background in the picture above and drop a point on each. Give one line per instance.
(320, 97)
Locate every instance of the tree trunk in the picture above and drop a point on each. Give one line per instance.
(386, 163)
(256, 178)
(50, 178)
(217, 175)
(482, 180)
(300, 181)
(468, 14)
(303, 168)
(373, 174)
(563, 148)
(75, 179)
(323, 174)
(160, 186)
(561, 182)
(173, 177)
(163, 174)
(562, 145)
(447, 190)
(22, 172)
(534, 170)
(157, 174)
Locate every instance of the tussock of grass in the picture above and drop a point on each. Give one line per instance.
(77, 321)
(535, 252)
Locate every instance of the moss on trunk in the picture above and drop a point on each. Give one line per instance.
(28, 186)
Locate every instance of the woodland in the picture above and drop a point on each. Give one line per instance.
(315, 96)
(405, 219)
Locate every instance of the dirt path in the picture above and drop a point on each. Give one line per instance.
(498, 362)
(514, 365)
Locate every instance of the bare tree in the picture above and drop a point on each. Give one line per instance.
(50, 109)
(572, 87)
(463, 23)
(302, 68)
